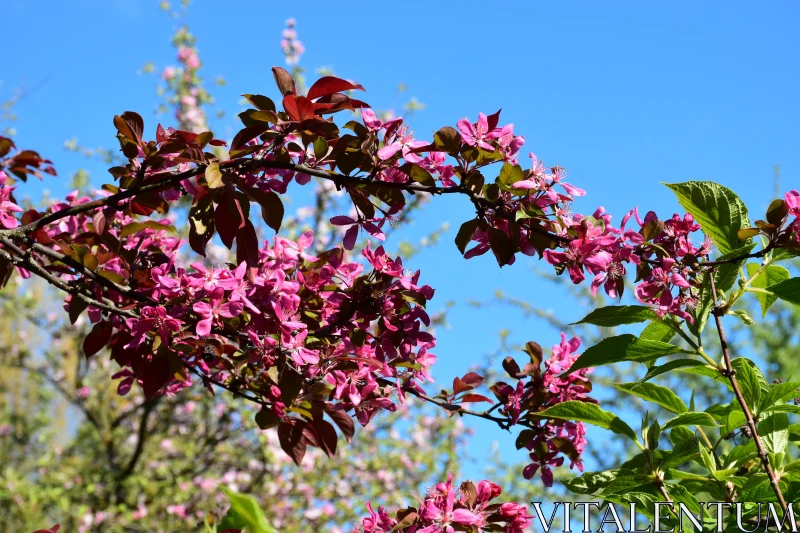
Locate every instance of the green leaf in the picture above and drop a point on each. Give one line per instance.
(682, 452)
(749, 382)
(784, 408)
(769, 276)
(509, 174)
(653, 435)
(591, 482)
(622, 348)
(741, 454)
(782, 254)
(788, 290)
(774, 431)
(734, 420)
(691, 418)
(618, 315)
(718, 210)
(681, 494)
(669, 367)
(590, 414)
(244, 513)
(724, 279)
(656, 394)
(778, 392)
(658, 331)
(708, 461)
(679, 434)
(742, 315)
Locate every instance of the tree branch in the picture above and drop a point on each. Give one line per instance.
(730, 373)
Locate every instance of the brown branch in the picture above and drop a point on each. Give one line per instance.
(82, 269)
(502, 422)
(141, 438)
(228, 388)
(730, 373)
(22, 260)
(754, 255)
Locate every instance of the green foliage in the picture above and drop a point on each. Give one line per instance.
(244, 513)
(618, 315)
(623, 348)
(718, 210)
(590, 414)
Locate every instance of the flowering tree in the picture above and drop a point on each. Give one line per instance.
(160, 465)
(319, 342)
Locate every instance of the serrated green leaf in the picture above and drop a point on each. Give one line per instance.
(718, 210)
(669, 367)
(777, 392)
(708, 461)
(774, 432)
(589, 413)
(623, 348)
(766, 278)
(656, 394)
(618, 315)
(782, 254)
(749, 383)
(592, 482)
(788, 291)
(681, 453)
(691, 418)
(724, 278)
(784, 408)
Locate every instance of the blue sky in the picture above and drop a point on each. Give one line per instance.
(624, 95)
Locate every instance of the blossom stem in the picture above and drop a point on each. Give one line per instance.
(707, 357)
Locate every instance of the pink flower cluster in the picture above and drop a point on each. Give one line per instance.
(537, 389)
(792, 199)
(289, 297)
(446, 509)
(7, 205)
(291, 46)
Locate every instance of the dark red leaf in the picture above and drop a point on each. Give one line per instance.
(459, 386)
(337, 102)
(97, 339)
(248, 134)
(290, 437)
(284, 81)
(330, 84)
(99, 222)
(511, 366)
(298, 107)
(155, 376)
(473, 398)
(344, 422)
(247, 245)
(53, 529)
(6, 269)
(492, 120)
(229, 219)
(472, 378)
(327, 436)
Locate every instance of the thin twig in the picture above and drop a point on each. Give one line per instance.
(730, 373)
